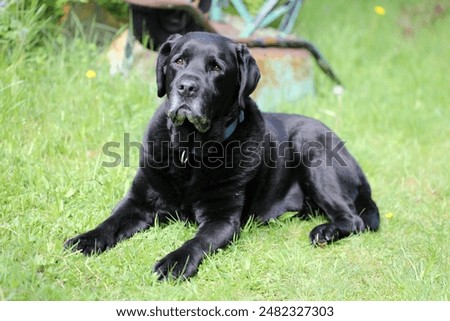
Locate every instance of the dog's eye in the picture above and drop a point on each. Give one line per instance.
(179, 61)
(216, 67)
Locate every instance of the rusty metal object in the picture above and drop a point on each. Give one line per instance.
(294, 45)
(269, 38)
(286, 76)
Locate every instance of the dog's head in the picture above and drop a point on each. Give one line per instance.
(204, 76)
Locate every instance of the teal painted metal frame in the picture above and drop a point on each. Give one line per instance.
(268, 13)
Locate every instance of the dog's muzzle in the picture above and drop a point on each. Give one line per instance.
(185, 103)
(180, 114)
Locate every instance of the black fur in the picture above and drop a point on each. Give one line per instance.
(271, 163)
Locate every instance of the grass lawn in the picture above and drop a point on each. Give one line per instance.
(394, 116)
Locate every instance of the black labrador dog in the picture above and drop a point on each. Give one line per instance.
(211, 156)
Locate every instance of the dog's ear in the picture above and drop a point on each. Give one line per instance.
(248, 74)
(161, 63)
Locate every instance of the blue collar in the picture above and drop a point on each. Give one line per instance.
(229, 130)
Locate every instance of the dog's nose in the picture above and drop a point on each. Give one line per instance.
(187, 87)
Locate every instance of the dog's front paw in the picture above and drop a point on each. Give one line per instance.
(89, 243)
(323, 234)
(179, 264)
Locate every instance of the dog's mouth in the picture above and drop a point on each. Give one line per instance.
(179, 115)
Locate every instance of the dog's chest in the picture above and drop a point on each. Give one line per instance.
(188, 188)
(188, 181)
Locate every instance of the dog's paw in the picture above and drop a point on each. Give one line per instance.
(92, 242)
(179, 264)
(323, 234)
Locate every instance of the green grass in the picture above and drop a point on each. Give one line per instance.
(394, 116)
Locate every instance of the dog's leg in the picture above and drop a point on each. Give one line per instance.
(127, 218)
(212, 234)
(328, 193)
(366, 207)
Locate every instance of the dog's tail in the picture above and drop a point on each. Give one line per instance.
(367, 209)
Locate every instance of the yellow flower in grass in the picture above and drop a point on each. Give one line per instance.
(379, 10)
(389, 215)
(91, 74)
